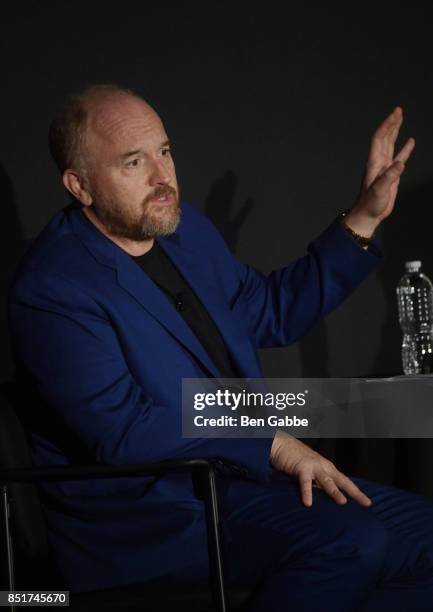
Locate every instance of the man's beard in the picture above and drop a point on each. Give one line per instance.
(154, 220)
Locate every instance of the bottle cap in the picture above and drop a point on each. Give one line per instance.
(412, 266)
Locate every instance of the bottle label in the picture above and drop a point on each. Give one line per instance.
(406, 290)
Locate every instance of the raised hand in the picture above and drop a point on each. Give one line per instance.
(382, 176)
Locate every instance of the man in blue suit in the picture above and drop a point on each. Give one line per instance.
(129, 290)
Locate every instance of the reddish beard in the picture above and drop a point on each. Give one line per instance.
(149, 224)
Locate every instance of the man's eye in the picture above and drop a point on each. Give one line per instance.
(166, 152)
(134, 163)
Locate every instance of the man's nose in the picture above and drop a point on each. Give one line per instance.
(159, 172)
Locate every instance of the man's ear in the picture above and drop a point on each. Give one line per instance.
(76, 184)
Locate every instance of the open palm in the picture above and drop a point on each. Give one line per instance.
(383, 169)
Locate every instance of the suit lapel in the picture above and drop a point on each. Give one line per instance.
(149, 295)
(131, 278)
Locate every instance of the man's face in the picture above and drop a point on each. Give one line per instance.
(130, 171)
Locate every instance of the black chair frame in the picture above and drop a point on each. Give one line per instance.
(204, 478)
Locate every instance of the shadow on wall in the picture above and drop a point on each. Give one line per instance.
(219, 205)
(13, 247)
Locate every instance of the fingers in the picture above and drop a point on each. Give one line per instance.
(352, 490)
(327, 483)
(381, 152)
(306, 484)
(387, 178)
(390, 126)
(395, 127)
(405, 151)
(383, 140)
(333, 484)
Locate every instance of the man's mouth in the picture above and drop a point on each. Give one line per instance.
(168, 198)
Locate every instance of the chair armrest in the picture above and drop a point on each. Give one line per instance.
(96, 471)
(202, 470)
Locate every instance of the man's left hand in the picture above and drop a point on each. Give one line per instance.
(295, 458)
(382, 176)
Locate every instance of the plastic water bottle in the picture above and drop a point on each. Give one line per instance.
(415, 312)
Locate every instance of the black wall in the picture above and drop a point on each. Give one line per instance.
(270, 113)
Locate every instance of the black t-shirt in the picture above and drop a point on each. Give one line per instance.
(159, 267)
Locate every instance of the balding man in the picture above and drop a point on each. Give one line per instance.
(127, 291)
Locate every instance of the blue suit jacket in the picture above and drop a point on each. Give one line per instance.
(106, 351)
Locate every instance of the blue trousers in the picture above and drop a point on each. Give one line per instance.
(330, 557)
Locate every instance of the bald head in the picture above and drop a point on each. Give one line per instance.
(116, 122)
(95, 110)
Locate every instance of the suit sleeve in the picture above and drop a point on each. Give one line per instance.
(66, 346)
(285, 305)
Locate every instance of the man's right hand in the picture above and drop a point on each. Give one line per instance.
(295, 458)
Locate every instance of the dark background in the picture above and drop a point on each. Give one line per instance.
(270, 111)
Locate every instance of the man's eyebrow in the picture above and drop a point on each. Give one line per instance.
(129, 153)
(166, 143)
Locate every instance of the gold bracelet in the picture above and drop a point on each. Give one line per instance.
(361, 240)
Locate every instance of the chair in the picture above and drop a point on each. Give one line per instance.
(28, 563)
